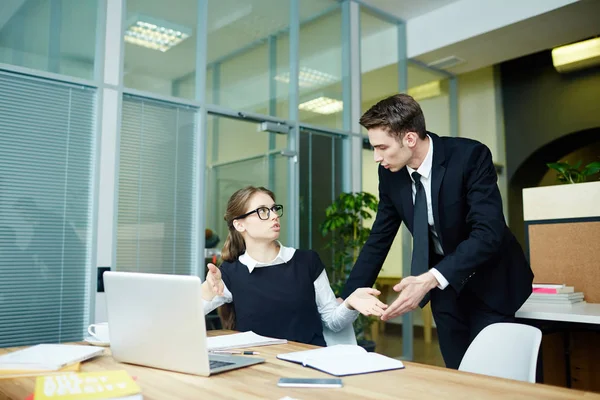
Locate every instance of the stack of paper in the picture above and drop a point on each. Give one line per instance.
(240, 341)
(343, 359)
(539, 288)
(554, 295)
(20, 373)
(47, 357)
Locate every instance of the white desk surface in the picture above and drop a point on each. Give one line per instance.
(586, 313)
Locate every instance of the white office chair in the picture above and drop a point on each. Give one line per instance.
(345, 336)
(505, 350)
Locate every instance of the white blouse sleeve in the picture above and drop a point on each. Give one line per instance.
(217, 301)
(334, 316)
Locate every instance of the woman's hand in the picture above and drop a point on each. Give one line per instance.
(215, 283)
(364, 301)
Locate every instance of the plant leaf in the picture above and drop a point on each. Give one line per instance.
(591, 168)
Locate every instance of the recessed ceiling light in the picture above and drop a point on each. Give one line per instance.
(446, 62)
(577, 55)
(322, 105)
(154, 33)
(309, 78)
(426, 91)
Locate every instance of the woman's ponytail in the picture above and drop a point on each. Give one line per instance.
(235, 245)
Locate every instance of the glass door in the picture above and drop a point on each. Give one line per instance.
(321, 182)
(240, 153)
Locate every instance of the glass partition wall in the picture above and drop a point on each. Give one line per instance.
(240, 153)
(198, 98)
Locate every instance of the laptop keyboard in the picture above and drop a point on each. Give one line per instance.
(218, 364)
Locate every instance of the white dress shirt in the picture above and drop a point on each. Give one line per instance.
(425, 172)
(333, 315)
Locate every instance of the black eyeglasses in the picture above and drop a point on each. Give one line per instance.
(264, 212)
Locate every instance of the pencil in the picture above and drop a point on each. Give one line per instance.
(246, 353)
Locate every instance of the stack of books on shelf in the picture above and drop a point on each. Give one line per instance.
(554, 295)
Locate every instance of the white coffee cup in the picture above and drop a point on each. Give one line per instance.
(99, 331)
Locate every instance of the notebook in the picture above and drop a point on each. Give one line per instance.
(343, 359)
(240, 341)
(48, 357)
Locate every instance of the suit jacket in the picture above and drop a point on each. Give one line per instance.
(480, 252)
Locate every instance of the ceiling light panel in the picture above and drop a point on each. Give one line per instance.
(577, 56)
(154, 33)
(322, 105)
(309, 78)
(426, 91)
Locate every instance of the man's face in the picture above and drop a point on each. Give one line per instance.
(388, 151)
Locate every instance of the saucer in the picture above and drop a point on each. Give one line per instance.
(96, 342)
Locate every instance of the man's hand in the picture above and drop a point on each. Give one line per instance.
(412, 290)
(215, 283)
(364, 301)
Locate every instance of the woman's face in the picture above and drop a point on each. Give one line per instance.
(252, 227)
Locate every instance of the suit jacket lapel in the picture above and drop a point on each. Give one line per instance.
(437, 175)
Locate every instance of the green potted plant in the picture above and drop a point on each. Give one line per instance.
(344, 224)
(567, 173)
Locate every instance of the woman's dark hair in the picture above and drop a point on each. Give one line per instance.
(234, 244)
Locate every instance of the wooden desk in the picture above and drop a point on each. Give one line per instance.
(416, 381)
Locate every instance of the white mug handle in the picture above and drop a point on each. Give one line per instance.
(91, 329)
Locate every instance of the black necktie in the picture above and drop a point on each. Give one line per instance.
(420, 255)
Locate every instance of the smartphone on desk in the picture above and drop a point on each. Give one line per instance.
(310, 382)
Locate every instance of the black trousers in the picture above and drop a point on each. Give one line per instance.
(459, 319)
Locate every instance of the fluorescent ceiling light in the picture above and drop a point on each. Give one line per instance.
(154, 33)
(309, 78)
(322, 105)
(426, 91)
(577, 55)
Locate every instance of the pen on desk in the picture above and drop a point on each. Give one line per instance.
(246, 353)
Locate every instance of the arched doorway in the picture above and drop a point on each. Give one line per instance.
(582, 145)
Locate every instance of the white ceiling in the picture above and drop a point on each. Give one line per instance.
(564, 25)
(407, 9)
(233, 24)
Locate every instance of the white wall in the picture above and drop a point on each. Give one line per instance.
(480, 117)
(464, 19)
(437, 114)
(392, 266)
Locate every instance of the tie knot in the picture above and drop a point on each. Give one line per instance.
(416, 177)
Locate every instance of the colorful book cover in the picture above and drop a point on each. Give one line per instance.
(85, 385)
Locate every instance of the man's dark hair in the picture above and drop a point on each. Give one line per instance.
(397, 114)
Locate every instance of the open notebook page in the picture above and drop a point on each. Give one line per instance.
(343, 359)
(240, 341)
(322, 353)
(355, 364)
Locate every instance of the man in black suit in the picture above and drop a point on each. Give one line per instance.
(465, 259)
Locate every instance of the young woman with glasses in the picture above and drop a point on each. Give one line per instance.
(271, 289)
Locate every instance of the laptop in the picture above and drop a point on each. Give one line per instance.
(158, 321)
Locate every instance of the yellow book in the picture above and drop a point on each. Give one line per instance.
(87, 385)
(13, 373)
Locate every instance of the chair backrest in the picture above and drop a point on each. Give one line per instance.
(505, 350)
(345, 336)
